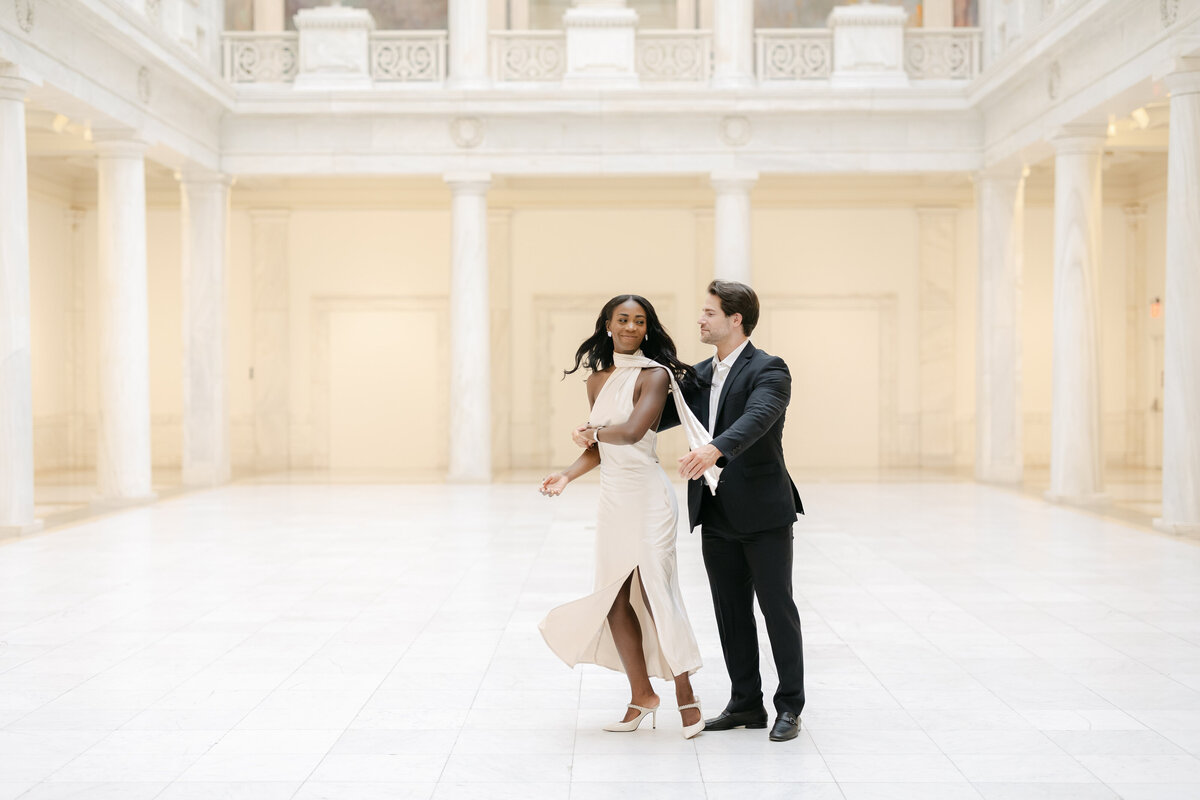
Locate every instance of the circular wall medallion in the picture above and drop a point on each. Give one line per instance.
(25, 13)
(1168, 10)
(1054, 81)
(466, 131)
(735, 131)
(143, 84)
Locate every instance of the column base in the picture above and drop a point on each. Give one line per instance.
(1176, 528)
(1084, 500)
(115, 503)
(13, 531)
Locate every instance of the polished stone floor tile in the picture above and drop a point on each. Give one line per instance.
(349, 642)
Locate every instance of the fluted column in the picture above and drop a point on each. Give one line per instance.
(999, 451)
(470, 345)
(1076, 452)
(733, 43)
(205, 410)
(123, 449)
(732, 225)
(468, 34)
(16, 379)
(1181, 298)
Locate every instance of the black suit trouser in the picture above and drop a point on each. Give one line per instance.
(741, 567)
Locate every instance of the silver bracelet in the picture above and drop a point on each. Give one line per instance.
(596, 433)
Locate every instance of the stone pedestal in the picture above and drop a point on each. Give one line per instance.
(468, 34)
(1181, 358)
(733, 44)
(999, 447)
(732, 252)
(16, 379)
(868, 46)
(470, 342)
(601, 38)
(1076, 451)
(335, 48)
(123, 449)
(205, 398)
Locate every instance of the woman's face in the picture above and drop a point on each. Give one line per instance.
(627, 326)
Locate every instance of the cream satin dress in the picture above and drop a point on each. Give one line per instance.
(635, 534)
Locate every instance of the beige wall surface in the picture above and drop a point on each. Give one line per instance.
(368, 290)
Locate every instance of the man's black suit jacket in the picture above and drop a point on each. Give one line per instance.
(756, 493)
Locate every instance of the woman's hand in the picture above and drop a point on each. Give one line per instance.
(553, 485)
(582, 437)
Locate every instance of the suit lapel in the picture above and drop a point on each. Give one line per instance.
(734, 372)
(704, 370)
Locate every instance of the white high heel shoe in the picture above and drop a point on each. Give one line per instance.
(632, 725)
(691, 730)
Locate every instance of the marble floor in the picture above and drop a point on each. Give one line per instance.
(308, 640)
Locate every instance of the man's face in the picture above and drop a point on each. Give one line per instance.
(715, 327)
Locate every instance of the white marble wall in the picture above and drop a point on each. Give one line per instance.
(999, 448)
(1181, 389)
(1137, 375)
(470, 345)
(937, 255)
(16, 379)
(205, 204)
(1076, 449)
(271, 364)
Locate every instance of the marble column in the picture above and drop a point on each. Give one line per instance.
(732, 225)
(269, 16)
(271, 371)
(999, 449)
(123, 449)
(16, 378)
(1181, 306)
(470, 345)
(937, 257)
(1076, 451)
(733, 44)
(468, 33)
(205, 204)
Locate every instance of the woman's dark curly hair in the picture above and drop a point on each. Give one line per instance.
(596, 352)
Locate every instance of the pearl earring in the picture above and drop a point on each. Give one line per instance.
(610, 334)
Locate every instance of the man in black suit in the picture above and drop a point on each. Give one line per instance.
(747, 524)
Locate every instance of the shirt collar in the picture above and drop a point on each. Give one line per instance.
(731, 358)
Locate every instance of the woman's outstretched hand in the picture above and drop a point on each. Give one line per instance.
(582, 437)
(553, 485)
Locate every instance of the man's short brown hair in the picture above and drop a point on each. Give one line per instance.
(737, 298)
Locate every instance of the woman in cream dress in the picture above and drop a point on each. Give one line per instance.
(634, 620)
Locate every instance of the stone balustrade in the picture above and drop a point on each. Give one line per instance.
(540, 56)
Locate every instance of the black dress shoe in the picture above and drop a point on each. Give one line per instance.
(787, 726)
(728, 720)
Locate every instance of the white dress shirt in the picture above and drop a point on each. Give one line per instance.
(720, 372)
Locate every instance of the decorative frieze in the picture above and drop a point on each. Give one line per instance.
(942, 54)
(418, 56)
(528, 55)
(261, 58)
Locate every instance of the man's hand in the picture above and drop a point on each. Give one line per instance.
(582, 437)
(694, 464)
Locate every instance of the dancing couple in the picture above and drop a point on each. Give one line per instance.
(731, 408)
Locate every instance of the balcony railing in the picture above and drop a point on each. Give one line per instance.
(947, 54)
(261, 57)
(793, 54)
(673, 55)
(528, 56)
(781, 54)
(408, 56)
